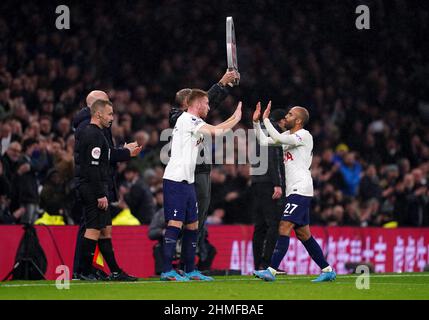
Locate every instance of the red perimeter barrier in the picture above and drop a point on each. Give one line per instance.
(389, 250)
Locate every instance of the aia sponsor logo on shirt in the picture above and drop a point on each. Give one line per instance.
(288, 156)
(200, 140)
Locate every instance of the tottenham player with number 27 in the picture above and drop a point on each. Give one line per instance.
(297, 145)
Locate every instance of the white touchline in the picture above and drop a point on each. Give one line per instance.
(282, 279)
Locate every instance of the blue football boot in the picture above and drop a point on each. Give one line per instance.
(172, 275)
(326, 276)
(264, 275)
(197, 276)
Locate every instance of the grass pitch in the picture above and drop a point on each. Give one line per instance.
(414, 286)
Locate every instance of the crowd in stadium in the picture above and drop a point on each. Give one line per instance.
(368, 101)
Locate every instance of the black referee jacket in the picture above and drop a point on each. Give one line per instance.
(80, 122)
(94, 157)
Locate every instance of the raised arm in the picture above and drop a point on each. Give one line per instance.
(219, 91)
(231, 118)
(262, 138)
(222, 127)
(283, 138)
(260, 135)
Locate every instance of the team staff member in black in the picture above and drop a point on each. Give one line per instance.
(81, 120)
(267, 206)
(217, 93)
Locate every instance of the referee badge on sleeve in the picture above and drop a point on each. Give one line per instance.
(96, 152)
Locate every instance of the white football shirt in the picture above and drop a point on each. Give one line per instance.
(297, 156)
(185, 147)
(297, 159)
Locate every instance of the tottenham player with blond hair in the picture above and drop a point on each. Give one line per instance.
(180, 202)
(298, 149)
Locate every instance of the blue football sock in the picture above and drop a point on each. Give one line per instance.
(189, 247)
(315, 252)
(279, 251)
(170, 240)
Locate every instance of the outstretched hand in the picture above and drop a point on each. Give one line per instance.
(257, 113)
(267, 111)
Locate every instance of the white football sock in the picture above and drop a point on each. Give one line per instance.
(327, 269)
(273, 271)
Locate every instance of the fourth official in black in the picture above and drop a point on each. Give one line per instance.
(94, 161)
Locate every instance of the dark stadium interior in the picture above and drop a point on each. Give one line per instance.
(367, 92)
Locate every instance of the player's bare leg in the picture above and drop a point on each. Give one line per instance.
(92, 234)
(285, 228)
(303, 233)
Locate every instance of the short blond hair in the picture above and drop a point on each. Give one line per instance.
(182, 97)
(197, 94)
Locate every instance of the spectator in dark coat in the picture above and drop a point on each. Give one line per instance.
(411, 201)
(138, 198)
(53, 195)
(27, 186)
(5, 215)
(370, 184)
(10, 159)
(156, 232)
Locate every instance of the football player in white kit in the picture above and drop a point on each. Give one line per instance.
(180, 203)
(298, 149)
